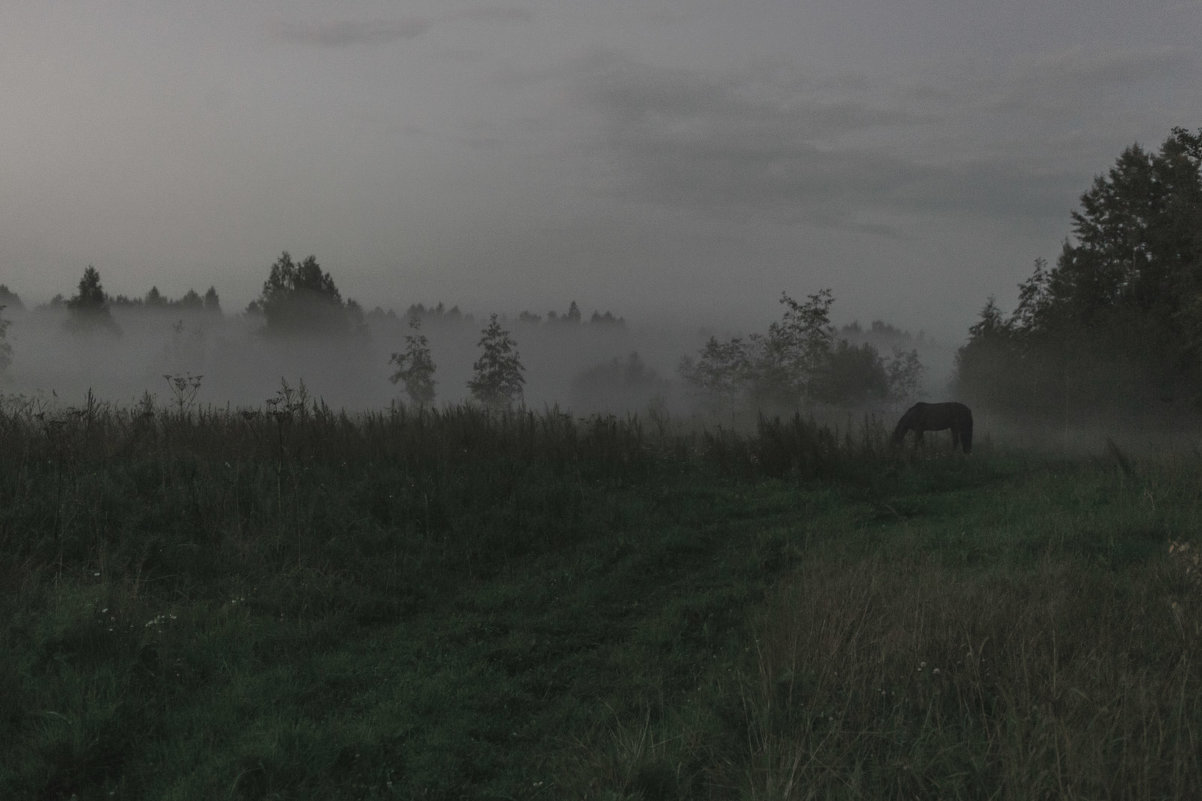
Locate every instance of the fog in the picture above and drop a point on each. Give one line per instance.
(580, 367)
(241, 367)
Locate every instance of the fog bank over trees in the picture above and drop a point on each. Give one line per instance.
(301, 328)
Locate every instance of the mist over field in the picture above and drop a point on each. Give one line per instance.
(619, 366)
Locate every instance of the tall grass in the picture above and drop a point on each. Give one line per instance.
(293, 602)
(908, 679)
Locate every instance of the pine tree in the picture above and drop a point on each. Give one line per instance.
(89, 306)
(90, 297)
(211, 302)
(497, 378)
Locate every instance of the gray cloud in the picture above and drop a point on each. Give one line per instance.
(753, 145)
(1057, 83)
(350, 33)
(347, 33)
(762, 103)
(1108, 65)
(501, 14)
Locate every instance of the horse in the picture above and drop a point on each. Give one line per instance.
(937, 417)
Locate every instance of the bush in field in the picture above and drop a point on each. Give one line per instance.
(497, 378)
(415, 367)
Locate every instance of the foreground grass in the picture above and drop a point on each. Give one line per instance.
(459, 605)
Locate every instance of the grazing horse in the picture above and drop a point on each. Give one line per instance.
(936, 417)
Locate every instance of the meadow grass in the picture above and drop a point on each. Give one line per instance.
(293, 602)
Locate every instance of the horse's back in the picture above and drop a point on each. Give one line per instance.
(937, 417)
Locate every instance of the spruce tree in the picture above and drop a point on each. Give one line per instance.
(497, 378)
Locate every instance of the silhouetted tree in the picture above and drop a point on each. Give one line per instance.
(6, 348)
(905, 372)
(90, 296)
(986, 363)
(380, 315)
(190, 300)
(436, 314)
(799, 361)
(89, 309)
(211, 302)
(10, 299)
(851, 374)
(302, 299)
(798, 346)
(777, 369)
(722, 370)
(608, 318)
(1138, 237)
(415, 367)
(498, 375)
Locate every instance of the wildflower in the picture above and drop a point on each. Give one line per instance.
(159, 620)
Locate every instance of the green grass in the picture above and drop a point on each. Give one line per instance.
(454, 604)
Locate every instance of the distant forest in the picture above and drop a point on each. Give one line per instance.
(801, 360)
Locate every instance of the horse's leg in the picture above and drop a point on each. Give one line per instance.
(955, 438)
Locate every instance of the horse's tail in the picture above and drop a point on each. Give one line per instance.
(966, 430)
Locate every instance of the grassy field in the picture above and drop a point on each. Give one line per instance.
(296, 603)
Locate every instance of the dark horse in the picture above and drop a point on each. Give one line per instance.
(936, 417)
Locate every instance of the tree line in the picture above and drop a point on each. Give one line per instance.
(799, 360)
(1115, 326)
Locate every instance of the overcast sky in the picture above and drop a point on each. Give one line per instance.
(692, 158)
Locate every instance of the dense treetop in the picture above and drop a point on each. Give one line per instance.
(303, 299)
